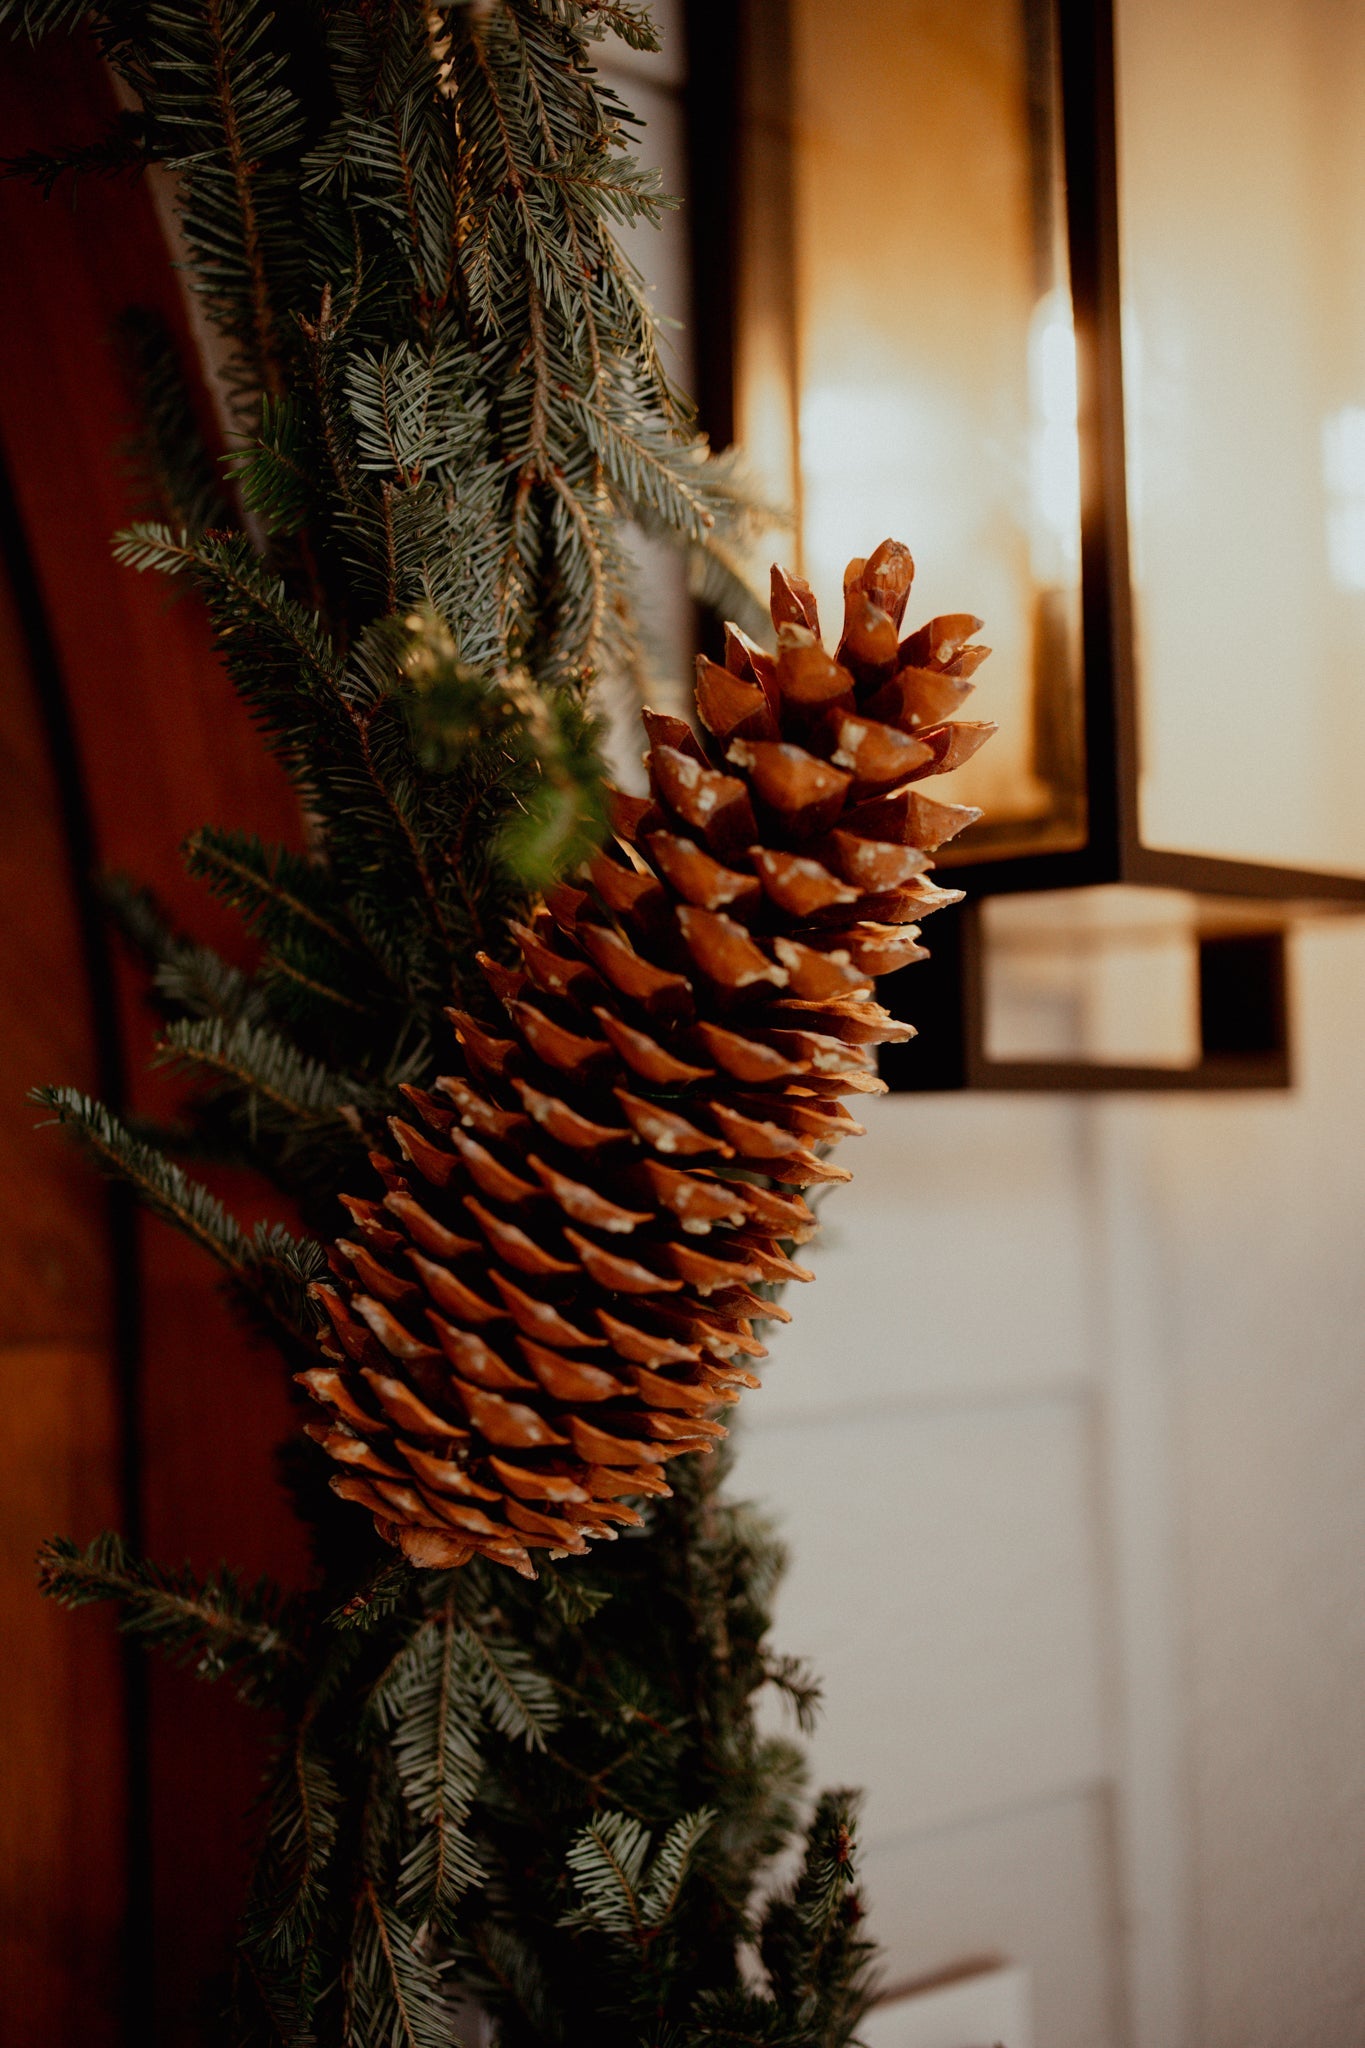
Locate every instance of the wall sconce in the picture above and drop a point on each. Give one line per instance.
(1071, 295)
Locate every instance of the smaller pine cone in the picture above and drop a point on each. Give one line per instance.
(556, 1290)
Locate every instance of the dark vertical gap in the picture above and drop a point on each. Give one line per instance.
(110, 1085)
(1057, 697)
(1243, 1011)
(711, 122)
(936, 995)
(765, 204)
(711, 104)
(1085, 31)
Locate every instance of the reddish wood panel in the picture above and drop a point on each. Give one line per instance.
(164, 746)
(61, 1701)
(62, 1887)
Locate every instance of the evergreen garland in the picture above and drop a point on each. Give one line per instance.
(448, 401)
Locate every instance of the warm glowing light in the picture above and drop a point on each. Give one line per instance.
(1343, 475)
(1054, 450)
(1241, 182)
(1103, 975)
(892, 447)
(932, 365)
(877, 457)
(1343, 451)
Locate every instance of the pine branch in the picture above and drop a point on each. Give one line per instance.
(161, 1186)
(245, 600)
(313, 993)
(670, 1867)
(324, 721)
(272, 887)
(793, 1678)
(186, 977)
(228, 121)
(412, 409)
(168, 452)
(631, 22)
(643, 462)
(742, 2019)
(273, 472)
(242, 150)
(120, 149)
(217, 1626)
(284, 1268)
(266, 1068)
(717, 577)
(518, 1700)
(35, 19)
(623, 190)
(504, 1970)
(270, 1269)
(813, 1951)
(376, 1601)
(394, 1995)
(425, 1700)
(570, 1601)
(607, 1861)
(290, 1893)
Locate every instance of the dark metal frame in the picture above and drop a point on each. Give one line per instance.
(948, 991)
(1253, 969)
(1243, 976)
(1115, 851)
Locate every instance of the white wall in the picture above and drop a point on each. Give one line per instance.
(1262, 1214)
(1069, 1443)
(928, 1434)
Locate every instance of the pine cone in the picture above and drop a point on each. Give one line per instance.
(557, 1289)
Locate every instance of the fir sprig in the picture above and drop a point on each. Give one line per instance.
(425, 1702)
(168, 456)
(218, 1626)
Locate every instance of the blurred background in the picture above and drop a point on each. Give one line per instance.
(1069, 1440)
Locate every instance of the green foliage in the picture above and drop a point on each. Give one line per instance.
(559, 818)
(426, 1702)
(551, 1796)
(794, 1679)
(219, 1627)
(266, 1267)
(168, 455)
(816, 1959)
(394, 1995)
(267, 1069)
(444, 367)
(618, 1894)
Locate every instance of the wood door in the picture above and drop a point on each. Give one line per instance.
(159, 744)
(63, 1739)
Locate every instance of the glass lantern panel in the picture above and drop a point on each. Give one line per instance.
(1104, 976)
(1242, 216)
(934, 356)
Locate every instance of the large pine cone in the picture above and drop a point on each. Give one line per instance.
(556, 1290)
